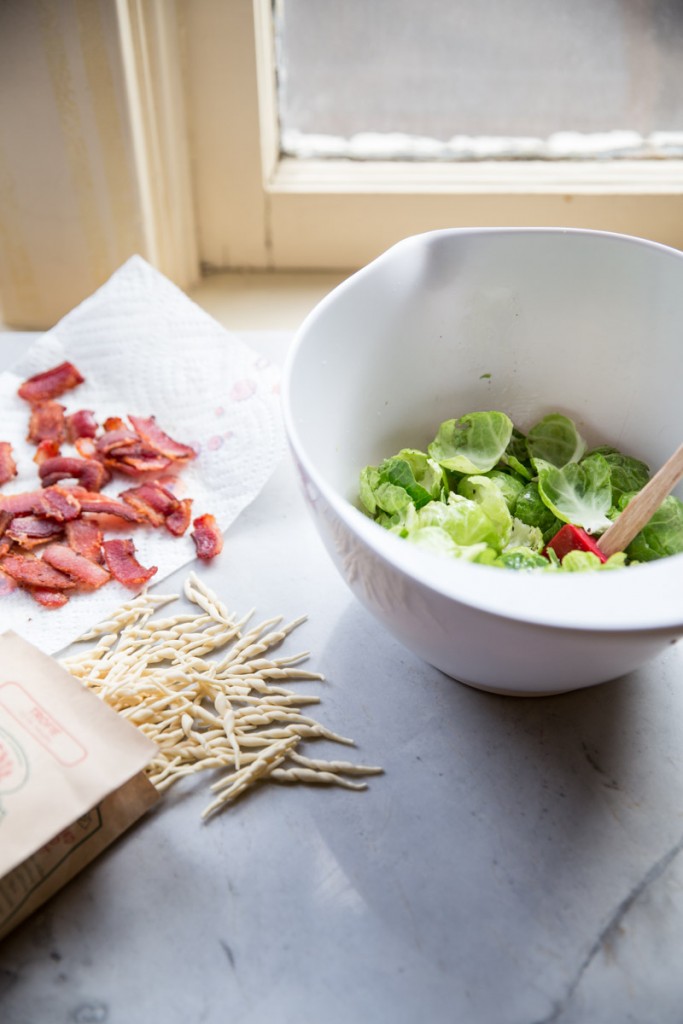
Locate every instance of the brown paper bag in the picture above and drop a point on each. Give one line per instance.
(71, 778)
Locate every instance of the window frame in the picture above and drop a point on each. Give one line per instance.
(275, 212)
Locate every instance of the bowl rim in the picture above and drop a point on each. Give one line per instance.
(595, 602)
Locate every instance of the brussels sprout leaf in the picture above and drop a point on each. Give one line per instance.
(579, 492)
(555, 439)
(473, 443)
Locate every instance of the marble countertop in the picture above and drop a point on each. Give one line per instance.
(519, 862)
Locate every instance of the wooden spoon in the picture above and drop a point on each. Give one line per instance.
(630, 522)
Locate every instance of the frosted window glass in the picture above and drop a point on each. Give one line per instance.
(512, 68)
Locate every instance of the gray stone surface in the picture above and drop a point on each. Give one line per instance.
(519, 862)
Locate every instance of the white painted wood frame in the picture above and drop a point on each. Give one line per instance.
(256, 209)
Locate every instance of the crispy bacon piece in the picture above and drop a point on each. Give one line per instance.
(137, 460)
(160, 507)
(179, 520)
(115, 439)
(30, 531)
(150, 432)
(54, 502)
(69, 521)
(49, 598)
(207, 537)
(115, 423)
(93, 501)
(34, 572)
(123, 450)
(50, 383)
(21, 503)
(47, 449)
(85, 538)
(87, 574)
(90, 473)
(46, 423)
(119, 556)
(8, 467)
(152, 501)
(60, 503)
(81, 423)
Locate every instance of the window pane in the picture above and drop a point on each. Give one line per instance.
(492, 78)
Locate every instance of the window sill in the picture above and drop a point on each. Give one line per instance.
(253, 300)
(260, 301)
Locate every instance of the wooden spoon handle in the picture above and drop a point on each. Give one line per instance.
(643, 506)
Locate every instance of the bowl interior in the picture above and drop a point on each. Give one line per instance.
(523, 320)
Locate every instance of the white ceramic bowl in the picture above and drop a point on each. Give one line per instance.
(528, 321)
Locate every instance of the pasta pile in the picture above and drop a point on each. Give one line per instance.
(226, 712)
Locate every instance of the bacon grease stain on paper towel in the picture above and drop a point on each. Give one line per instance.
(145, 348)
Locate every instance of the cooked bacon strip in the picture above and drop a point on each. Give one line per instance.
(33, 572)
(179, 520)
(144, 510)
(137, 460)
(113, 440)
(87, 574)
(30, 531)
(149, 431)
(50, 383)
(160, 507)
(8, 467)
(81, 424)
(123, 450)
(123, 565)
(85, 538)
(5, 520)
(49, 598)
(152, 501)
(207, 537)
(92, 501)
(60, 503)
(5, 545)
(90, 473)
(47, 449)
(46, 423)
(115, 423)
(21, 503)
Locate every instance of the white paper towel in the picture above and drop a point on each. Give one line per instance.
(145, 348)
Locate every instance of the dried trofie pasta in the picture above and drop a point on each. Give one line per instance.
(200, 685)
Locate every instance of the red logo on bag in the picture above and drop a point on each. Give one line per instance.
(41, 725)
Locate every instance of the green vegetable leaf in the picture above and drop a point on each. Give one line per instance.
(368, 483)
(522, 558)
(586, 561)
(510, 486)
(410, 476)
(485, 493)
(428, 475)
(440, 542)
(473, 443)
(579, 493)
(380, 495)
(523, 535)
(662, 536)
(626, 473)
(555, 439)
(516, 455)
(532, 510)
(465, 521)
